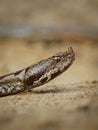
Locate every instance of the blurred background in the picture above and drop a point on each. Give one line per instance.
(31, 30)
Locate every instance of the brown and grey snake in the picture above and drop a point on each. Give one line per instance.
(36, 74)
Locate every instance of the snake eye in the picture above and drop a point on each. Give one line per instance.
(69, 57)
(57, 59)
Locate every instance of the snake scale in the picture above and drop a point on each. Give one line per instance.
(36, 74)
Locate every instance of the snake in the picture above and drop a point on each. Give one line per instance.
(37, 74)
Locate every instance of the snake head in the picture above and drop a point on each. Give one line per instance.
(64, 57)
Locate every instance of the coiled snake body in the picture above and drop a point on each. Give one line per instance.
(36, 74)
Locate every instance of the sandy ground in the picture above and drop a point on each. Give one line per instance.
(68, 102)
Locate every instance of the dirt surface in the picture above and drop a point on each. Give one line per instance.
(68, 102)
(58, 107)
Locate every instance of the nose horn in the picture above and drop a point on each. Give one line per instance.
(70, 49)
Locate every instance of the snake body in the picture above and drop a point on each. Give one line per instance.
(36, 74)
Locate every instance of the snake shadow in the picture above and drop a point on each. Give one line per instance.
(51, 89)
(44, 91)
